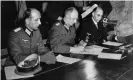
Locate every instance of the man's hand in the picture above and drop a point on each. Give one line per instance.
(48, 58)
(77, 49)
(82, 43)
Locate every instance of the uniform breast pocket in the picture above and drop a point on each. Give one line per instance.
(25, 43)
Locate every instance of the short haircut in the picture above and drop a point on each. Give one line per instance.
(26, 14)
(69, 10)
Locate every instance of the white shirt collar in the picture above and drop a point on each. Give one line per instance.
(94, 21)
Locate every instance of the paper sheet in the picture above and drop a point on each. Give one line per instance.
(113, 43)
(68, 60)
(110, 56)
(10, 74)
(92, 50)
(96, 46)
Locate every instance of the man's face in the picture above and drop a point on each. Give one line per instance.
(34, 20)
(97, 15)
(72, 18)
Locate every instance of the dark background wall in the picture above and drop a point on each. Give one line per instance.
(8, 15)
(54, 9)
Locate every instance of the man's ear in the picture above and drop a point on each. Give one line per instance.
(27, 21)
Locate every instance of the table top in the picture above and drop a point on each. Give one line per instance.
(45, 68)
(91, 68)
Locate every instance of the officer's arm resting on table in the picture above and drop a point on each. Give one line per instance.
(46, 55)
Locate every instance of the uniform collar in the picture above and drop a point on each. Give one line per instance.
(65, 25)
(30, 33)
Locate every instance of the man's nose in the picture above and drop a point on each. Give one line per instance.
(39, 22)
(75, 21)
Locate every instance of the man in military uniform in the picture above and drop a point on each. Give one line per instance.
(62, 34)
(92, 27)
(26, 40)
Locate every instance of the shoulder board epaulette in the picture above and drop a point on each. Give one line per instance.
(17, 29)
(57, 24)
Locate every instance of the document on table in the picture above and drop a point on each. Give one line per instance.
(96, 46)
(110, 56)
(10, 74)
(113, 43)
(68, 60)
(92, 50)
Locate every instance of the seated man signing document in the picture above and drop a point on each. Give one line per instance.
(62, 34)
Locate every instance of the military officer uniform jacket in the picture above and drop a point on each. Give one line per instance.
(22, 43)
(61, 38)
(98, 33)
